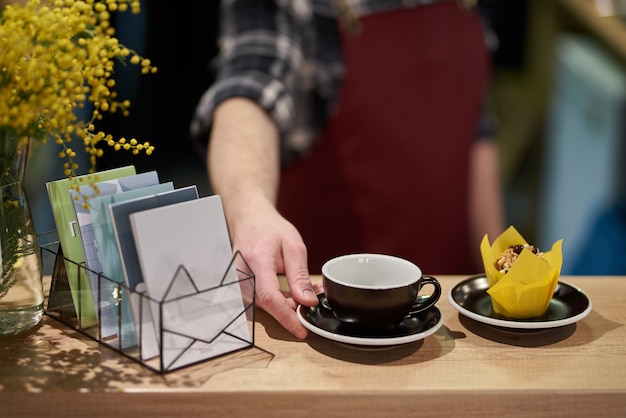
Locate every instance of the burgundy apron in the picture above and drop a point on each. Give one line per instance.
(389, 173)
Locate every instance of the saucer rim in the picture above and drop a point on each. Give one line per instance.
(513, 323)
(366, 341)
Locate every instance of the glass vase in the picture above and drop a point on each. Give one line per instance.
(21, 289)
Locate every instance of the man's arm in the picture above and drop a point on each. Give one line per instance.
(486, 206)
(244, 168)
(243, 158)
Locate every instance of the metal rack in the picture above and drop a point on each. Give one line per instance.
(229, 331)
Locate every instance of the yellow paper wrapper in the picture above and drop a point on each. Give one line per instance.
(526, 290)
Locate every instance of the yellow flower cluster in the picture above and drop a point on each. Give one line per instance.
(57, 57)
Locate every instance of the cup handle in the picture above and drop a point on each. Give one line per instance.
(325, 305)
(423, 303)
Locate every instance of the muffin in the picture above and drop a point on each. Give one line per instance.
(521, 278)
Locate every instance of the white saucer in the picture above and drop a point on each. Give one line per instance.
(413, 328)
(568, 305)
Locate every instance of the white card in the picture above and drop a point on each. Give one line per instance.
(202, 308)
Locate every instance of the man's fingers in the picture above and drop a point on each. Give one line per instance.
(271, 299)
(282, 309)
(297, 272)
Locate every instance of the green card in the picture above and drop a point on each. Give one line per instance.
(71, 243)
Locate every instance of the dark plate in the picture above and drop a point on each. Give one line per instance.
(413, 328)
(568, 305)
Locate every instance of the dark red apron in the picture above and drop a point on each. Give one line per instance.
(389, 173)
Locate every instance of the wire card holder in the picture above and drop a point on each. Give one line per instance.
(188, 326)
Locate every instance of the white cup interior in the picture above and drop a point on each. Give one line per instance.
(371, 271)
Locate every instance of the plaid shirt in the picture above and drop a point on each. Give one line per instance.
(285, 55)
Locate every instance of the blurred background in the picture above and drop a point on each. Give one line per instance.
(558, 90)
(559, 94)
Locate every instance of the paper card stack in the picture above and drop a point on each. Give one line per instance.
(161, 274)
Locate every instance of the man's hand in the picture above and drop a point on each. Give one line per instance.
(273, 246)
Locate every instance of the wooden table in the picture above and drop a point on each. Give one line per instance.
(465, 369)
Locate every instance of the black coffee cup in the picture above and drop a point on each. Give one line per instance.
(376, 291)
